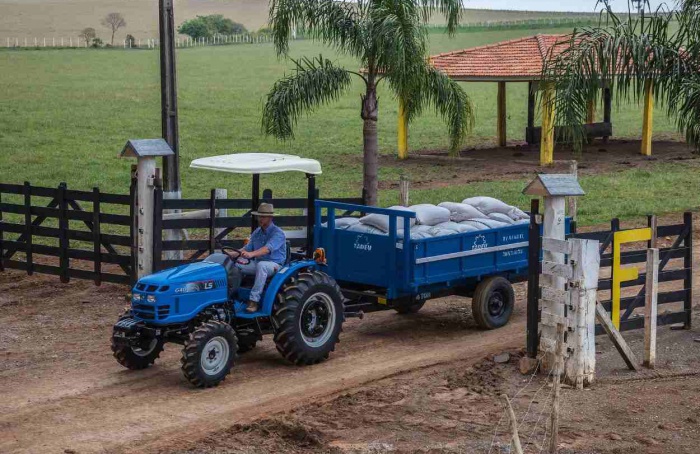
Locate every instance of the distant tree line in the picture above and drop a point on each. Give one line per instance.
(210, 26)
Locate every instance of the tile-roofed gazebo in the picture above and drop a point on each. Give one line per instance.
(516, 60)
(520, 59)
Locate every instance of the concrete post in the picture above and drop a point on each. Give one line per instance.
(145, 181)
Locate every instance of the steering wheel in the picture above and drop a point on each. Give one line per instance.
(228, 250)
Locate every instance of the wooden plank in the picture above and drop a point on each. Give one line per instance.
(96, 233)
(553, 320)
(556, 246)
(688, 265)
(651, 308)
(558, 369)
(513, 426)
(561, 270)
(62, 235)
(555, 295)
(28, 225)
(616, 338)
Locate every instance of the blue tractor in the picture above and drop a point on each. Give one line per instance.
(201, 305)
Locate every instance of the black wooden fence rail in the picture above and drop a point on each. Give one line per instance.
(64, 206)
(681, 248)
(208, 243)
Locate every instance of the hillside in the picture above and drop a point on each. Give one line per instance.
(31, 19)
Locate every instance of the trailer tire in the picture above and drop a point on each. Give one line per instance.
(209, 354)
(139, 358)
(493, 302)
(412, 309)
(308, 318)
(246, 343)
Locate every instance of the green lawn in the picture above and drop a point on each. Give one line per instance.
(65, 114)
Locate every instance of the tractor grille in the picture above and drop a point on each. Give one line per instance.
(147, 312)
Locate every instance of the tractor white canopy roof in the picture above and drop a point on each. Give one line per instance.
(254, 163)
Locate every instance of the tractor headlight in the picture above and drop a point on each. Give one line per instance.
(136, 297)
(151, 298)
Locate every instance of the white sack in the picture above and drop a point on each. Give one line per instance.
(501, 218)
(461, 211)
(343, 223)
(488, 205)
(363, 228)
(493, 224)
(427, 214)
(459, 228)
(381, 221)
(475, 225)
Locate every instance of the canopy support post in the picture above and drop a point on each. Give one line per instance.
(547, 142)
(402, 132)
(255, 201)
(501, 114)
(647, 119)
(310, 214)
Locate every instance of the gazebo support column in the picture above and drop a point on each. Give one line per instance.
(402, 132)
(530, 113)
(501, 114)
(647, 119)
(607, 108)
(590, 112)
(547, 143)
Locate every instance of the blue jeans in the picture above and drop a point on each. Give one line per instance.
(262, 270)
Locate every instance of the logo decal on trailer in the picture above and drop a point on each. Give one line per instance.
(362, 243)
(480, 242)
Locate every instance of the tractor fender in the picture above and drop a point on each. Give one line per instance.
(280, 278)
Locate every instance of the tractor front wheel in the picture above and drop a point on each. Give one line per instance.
(209, 354)
(308, 318)
(493, 302)
(137, 357)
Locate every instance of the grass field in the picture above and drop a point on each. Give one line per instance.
(65, 115)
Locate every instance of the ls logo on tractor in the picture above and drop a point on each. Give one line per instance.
(480, 242)
(196, 287)
(362, 243)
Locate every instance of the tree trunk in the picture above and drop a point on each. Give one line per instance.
(113, 37)
(371, 145)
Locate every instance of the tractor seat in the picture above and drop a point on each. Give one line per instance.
(233, 274)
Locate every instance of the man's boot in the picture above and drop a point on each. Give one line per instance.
(252, 306)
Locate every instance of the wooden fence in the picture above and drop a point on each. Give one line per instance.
(675, 274)
(49, 230)
(217, 230)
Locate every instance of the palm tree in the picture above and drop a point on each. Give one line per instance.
(631, 54)
(389, 40)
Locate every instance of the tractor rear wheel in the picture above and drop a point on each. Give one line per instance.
(308, 318)
(209, 354)
(493, 302)
(137, 357)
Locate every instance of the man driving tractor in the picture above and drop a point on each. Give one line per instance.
(266, 252)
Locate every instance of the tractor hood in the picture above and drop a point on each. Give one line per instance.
(183, 274)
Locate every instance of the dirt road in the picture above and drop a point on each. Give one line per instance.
(61, 389)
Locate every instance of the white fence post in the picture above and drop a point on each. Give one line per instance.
(650, 307)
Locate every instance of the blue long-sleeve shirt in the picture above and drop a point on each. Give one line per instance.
(272, 237)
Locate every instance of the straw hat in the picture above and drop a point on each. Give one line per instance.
(265, 209)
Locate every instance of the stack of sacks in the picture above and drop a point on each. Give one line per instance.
(373, 222)
(343, 223)
(489, 205)
(473, 219)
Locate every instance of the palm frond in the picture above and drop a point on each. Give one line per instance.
(624, 56)
(450, 101)
(313, 83)
(451, 9)
(335, 23)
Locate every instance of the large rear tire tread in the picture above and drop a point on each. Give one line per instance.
(193, 350)
(287, 311)
(480, 302)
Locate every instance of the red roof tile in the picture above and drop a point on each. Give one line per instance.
(520, 59)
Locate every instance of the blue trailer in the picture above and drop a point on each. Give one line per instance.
(338, 274)
(393, 271)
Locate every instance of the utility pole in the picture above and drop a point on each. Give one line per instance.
(168, 89)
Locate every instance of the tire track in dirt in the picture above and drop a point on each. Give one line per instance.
(100, 407)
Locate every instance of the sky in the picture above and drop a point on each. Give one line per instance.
(551, 5)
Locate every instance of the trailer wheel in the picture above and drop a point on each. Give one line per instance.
(209, 354)
(247, 343)
(140, 357)
(412, 309)
(493, 302)
(308, 318)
